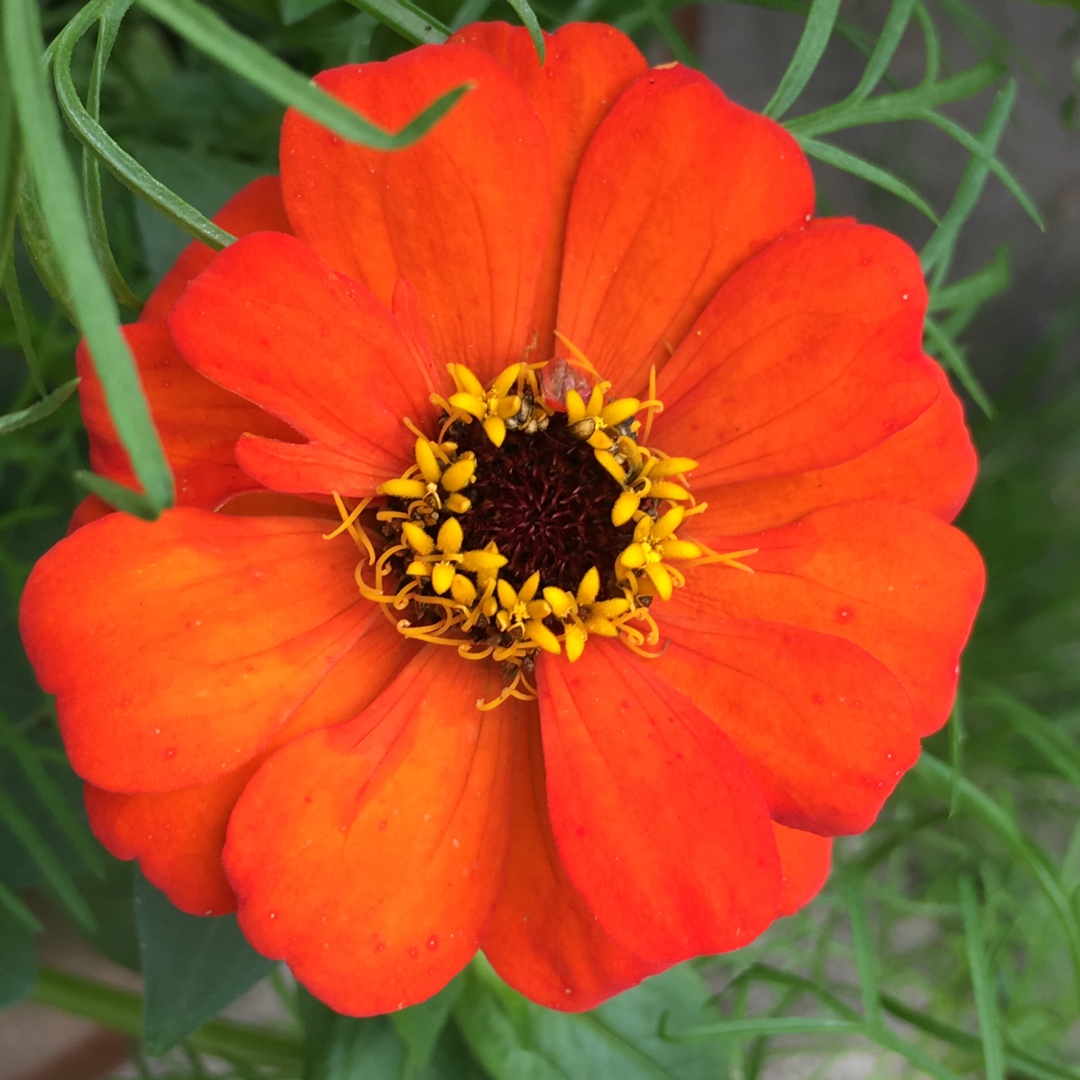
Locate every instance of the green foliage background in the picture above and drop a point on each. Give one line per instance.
(948, 940)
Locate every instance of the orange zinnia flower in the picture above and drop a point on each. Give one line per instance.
(562, 555)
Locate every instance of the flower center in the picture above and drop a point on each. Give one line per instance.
(535, 519)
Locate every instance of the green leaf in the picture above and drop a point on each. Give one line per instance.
(193, 967)
(18, 965)
(517, 1040)
(46, 859)
(865, 958)
(528, 18)
(887, 43)
(39, 410)
(405, 19)
(12, 908)
(982, 981)
(811, 48)
(116, 495)
(55, 183)
(10, 170)
(943, 347)
(866, 170)
(974, 290)
(13, 294)
(99, 143)
(209, 33)
(421, 1026)
(342, 1047)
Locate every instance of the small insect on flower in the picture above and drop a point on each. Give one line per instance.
(555, 584)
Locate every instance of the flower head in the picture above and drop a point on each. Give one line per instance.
(562, 555)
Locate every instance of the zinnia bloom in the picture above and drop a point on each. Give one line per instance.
(562, 554)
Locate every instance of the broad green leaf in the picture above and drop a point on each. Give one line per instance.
(18, 965)
(516, 1040)
(341, 1047)
(65, 224)
(192, 967)
(811, 48)
(421, 1025)
(209, 33)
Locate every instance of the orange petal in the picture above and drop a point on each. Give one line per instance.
(809, 356)
(542, 938)
(272, 322)
(895, 580)
(461, 214)
(198, 422)
(177, 649)
(178, 836)
(658, 819)
(254, 208)
(678, 187)
(825, 727)
(804, 863)
(586, 67)
(368, 856)
(928, 464)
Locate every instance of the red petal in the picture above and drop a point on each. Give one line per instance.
(368, 856)
(178, 836)
(809, 356)
(658, 819)
(198, 422)
(255, 208)
(894, 580)
(804, 863)
(461, 214)
(586, 67)
(825, 727)
(272, 322)
(542, 938)
(678, 187)
(177, 649)
(928, 464)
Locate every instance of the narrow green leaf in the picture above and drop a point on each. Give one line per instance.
(406, 19)
(932, 43)
(527, 16)
(55, 183)
(937, 253)
(863, 945)
(108, 27)
(116, 495)
(887, 43)
(942, 346)
(209, 33)
(18, 965)
(808, 54)
(121, 164)
(903, 105)
(956, 751)
(10, 170)
(46, 789)
(667, 30)
(192, 967)
(1059, 749)
(17, 910)
(866, 170)
(993, 1046)
(13, 295)
(974, 290)
(939, 777)
(994, 164)
(36, 241)
(765, 1025)
(51, 867)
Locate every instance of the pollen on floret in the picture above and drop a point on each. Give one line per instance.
(533, 518)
